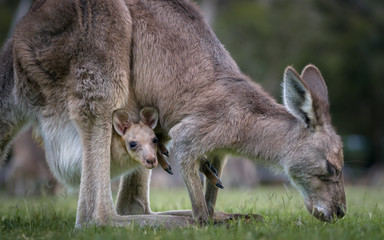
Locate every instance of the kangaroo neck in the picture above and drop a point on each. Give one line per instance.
(270, 136)
(252, 123)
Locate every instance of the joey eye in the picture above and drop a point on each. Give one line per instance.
(132, 144)
(155, 140)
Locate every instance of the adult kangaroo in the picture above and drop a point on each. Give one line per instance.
(71, 63)
(207, 106)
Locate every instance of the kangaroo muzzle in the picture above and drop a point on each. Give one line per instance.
(150, 162)
(326, 210)
(327, 214)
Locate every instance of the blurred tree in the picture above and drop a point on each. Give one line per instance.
(7, 10)
(353, 56)
(345, 39)
(209, 8)
(266, 36)
(10, 13)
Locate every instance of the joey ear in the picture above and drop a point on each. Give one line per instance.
(121, 121)
(297, 98)
(149, 116)
(318, 89)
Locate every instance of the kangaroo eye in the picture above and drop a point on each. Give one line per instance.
(132, 144)
(331, 169)
(155, 140)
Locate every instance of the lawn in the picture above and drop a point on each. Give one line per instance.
(282, 207)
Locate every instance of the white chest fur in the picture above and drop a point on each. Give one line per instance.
(63, 151)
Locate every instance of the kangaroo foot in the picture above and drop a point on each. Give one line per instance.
(155, 221)
(163, 150)
(225, 217)
(217, 218)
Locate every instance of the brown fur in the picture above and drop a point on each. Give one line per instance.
(76, 61)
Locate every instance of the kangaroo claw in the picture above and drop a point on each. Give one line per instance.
(165, 153)
(219, 185)
(163, 150)
(213, 169)
(169, 170)
(210, 167)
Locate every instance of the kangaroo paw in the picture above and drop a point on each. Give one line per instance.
(164, 163)
(169, 170)
(219, 184)
(165, 153)
(163, 150)
(213, 169)
(210, 173)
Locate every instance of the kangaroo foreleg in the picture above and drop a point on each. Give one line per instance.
(211, 190)
(211, 193)
(195, 190)
(210, 172)
(164, 163)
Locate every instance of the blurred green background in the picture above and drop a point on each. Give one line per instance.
(344, 38)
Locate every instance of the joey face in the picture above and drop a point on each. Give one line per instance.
(316, 170)
(141, 145)
(139, 140)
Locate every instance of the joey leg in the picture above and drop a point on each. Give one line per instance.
(133, 194)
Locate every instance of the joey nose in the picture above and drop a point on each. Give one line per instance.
(150, 162)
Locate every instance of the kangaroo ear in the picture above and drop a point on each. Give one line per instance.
(316, 86)
(121, 121)
(306, 96)
(297, 97)
(149, 116)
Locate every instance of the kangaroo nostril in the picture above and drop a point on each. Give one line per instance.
(340, 212)
(150, 161)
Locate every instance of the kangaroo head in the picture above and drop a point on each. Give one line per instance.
(315, 161)
(138, 139)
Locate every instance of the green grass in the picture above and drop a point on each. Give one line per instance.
(283, 210)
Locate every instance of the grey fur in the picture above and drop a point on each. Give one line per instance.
(76, 61)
